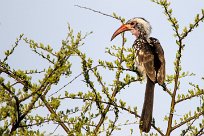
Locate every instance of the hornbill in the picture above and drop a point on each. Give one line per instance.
(150, 62)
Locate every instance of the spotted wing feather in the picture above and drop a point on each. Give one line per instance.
(146, 58)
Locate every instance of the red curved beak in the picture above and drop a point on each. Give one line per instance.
(123, 28)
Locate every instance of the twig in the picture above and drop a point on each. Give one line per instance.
(116, 111)
(99, 12)
(168, 12)
(104, 90)
(187, 120)
(186, 98)
(200, 132)
(16, 99)
(44, 87)
(100, 101)
(166, 89)
(158, 130)
(193, 26)
(42, 55)
(13, 48)
(73, 80)
(185, 131)
(177, 66)
(114, 105)
(92, 69)
(54, 130)
(116, 89)
(34, 124)
(13, 75)
(174, 24)
(62, 124)
(34, 72)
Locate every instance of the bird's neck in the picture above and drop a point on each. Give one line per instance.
(143, 39)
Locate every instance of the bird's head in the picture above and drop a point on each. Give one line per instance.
(137, 26)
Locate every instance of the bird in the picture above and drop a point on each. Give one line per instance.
(150, 62)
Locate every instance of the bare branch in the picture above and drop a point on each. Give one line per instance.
(99, 12)
(166, 89)
(158, 130)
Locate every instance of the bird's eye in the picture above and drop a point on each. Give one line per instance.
(132, 23)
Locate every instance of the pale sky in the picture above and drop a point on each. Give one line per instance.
(46, 21)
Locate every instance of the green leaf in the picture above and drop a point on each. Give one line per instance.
(7, 53)
(166, 118)
(114, 14)
(185, 30)
(191, 26)
(178, 43)
(1, 80)
(170, 11)
(41, 45)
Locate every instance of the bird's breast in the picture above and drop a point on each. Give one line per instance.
(139, 63)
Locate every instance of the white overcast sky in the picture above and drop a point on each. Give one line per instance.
(46, 21)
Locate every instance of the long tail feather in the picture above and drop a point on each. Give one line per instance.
(146, 117)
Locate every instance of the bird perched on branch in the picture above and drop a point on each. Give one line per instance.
(150, 61)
